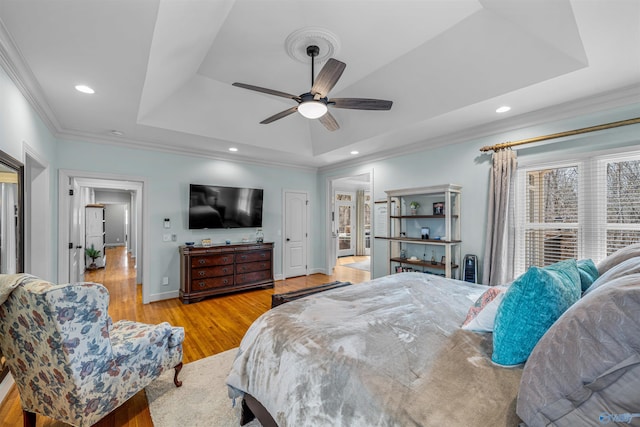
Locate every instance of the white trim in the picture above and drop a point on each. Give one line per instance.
(5, 386)
(35, 159)
(161, 296)
(141, 185)
(328, 268)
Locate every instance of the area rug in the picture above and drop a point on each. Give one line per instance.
(201, 401)
(362, 265)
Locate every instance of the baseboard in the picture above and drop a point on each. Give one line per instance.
(5, 386)
(163, 296)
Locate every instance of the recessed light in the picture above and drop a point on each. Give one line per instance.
(354, 152)
(116, 133)
(503, 109)
(84, 89)
(234, 149)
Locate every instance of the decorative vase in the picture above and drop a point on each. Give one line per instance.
(414, 211)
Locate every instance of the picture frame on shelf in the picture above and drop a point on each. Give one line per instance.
(206, 242)
(438, 208)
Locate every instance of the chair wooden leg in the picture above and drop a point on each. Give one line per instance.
(178, 368)
(29, 418)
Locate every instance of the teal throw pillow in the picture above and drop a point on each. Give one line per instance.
(588, 273)
(532, 304)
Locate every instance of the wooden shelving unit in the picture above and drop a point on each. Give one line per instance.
(440, 253)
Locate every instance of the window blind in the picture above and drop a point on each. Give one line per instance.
(583, 209)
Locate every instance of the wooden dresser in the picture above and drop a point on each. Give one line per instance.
(219, 269)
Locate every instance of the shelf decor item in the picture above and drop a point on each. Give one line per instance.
(438, 208)
(414, 207)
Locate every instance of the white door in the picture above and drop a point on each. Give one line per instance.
(295, 234)
(76, 250)
(345, 213)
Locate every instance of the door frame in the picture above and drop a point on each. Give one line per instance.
(283, 236)
(37, 203)
(140, 221)
(331, 244)
(352, 206)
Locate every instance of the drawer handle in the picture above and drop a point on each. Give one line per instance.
(264, 264)
(263, 255)
(224, 259)
(224, 270)
(202, 261)
(201, 273)
(226, 282)
(202, 284)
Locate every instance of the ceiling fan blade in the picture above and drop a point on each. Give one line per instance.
(329, 122)
(361, 103)
(267, 91)
(328, 77)
(280, 115)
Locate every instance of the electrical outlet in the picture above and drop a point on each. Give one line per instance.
(166, 237)
(165, 281)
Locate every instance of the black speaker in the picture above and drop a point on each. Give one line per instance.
(470, 268)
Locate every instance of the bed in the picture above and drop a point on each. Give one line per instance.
(391, 352)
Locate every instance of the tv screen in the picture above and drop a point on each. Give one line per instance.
(212, 206)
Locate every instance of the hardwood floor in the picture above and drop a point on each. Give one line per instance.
(211, 326)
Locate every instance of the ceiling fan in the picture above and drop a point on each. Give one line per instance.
(314, 104)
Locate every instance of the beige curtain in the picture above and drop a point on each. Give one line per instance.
(360, 237)
(500, 240)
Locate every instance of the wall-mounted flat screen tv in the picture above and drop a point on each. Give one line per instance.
(213, 206)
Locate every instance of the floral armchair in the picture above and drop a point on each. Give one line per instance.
(70, 362)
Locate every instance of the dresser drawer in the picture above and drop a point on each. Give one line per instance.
(211, 260)
(220, 270)
(255, 276)
(248, 267)
(253, 256)
(214, 282)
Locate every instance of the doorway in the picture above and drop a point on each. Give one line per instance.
(71, 205)
(350, 229)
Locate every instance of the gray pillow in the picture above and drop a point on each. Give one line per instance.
(626, 267)
(587, 365)
(618, 256)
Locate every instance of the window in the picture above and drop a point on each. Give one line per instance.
(580, 209)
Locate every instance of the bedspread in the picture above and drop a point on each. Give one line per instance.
(388, 352)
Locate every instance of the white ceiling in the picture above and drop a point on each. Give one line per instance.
(162, 69)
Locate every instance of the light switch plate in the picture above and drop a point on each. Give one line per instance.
(166, 237)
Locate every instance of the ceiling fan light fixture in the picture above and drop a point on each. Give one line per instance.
(312, 109)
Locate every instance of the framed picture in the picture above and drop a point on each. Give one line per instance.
(206, 242)
(438, 208)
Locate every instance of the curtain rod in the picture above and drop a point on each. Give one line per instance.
(561, 134)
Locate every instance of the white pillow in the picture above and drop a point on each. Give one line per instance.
(483, 322)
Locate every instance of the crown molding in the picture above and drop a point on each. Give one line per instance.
(170, 149)
(617, 98)
(14, 64)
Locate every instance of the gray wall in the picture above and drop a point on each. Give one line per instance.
(117, 211)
